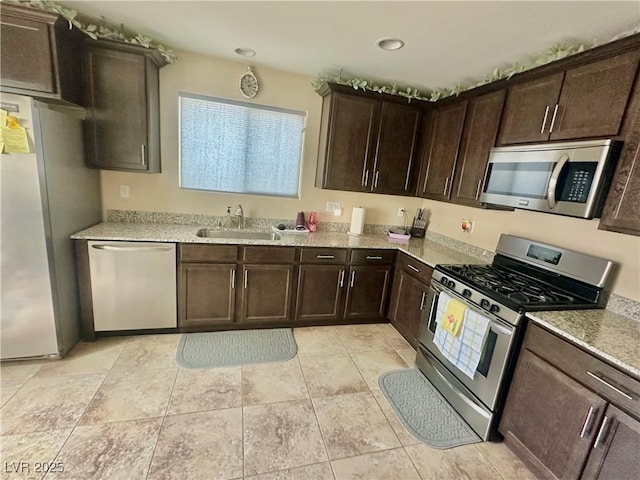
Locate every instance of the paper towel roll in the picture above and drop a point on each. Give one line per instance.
(357, 221)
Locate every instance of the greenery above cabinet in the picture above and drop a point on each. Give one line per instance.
(367, 142)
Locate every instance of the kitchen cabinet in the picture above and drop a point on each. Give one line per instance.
(568, 414)
(408, 296)
(267, 293)
(439, 156)
(39, 54)
(585, 101)
(122, 106)
(367, 144)
(478, 137)
(367, 284)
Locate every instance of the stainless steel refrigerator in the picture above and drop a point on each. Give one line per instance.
(45, 197)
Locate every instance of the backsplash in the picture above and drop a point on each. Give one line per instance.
(616, 303)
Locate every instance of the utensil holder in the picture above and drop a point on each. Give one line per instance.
(419, 228)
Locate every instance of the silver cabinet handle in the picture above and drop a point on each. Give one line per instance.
(478, 189)
(413, 268)
(544, 120)
(601, 432)
(246, 278)
(424, 185)
(116, 248)
(325, 257)
(587, 422)
(424, 295)
(375, 179)
(604, 382)
(353, 279)
(553, 119)
(341, 281)
(446, 185)
(366, 177)
(373, 257)
(233, 278)
(143, 154)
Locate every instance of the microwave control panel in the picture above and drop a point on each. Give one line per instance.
(577, 181)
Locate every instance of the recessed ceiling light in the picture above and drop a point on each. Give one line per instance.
(390, 43)
(245, 52)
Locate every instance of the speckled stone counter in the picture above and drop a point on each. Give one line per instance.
(427, 251)
(607, 335)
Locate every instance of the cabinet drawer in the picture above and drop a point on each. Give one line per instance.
(269, 254)
(323, 255)
(208, 253)
(415, 267)
(372, 257)
(609, 382)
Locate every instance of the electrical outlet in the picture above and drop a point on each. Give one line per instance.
(333, 206)
(467, 225)
(124, 191)
(401, 211)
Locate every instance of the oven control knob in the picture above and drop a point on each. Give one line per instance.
(466, 293)
(444, 281)
(451, 284)
(494, 309)
(484, 303)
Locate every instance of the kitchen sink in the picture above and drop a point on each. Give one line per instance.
(237, 234)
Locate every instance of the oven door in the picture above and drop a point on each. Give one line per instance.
(487, 380)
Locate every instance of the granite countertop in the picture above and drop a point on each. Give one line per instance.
(427, 251)
(612, 337)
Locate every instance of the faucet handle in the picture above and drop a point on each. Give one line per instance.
(239, 211)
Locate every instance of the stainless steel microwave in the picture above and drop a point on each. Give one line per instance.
(569, 178)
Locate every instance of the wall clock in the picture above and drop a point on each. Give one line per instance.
(249, 84)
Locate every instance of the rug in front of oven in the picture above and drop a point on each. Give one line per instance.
(423, 411)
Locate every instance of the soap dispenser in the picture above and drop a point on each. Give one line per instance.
(228, 219)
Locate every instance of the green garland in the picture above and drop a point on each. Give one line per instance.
(554, 53)
(102, 29)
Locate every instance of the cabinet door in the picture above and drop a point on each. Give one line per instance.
(615, 454)
(207, 294)
(367, 292)
(352, 134)
(408, 297)
(320, 293)
(549, 420)
(267, 293)
(594, 98)
(439, 157)
(394, 169)
(478, 137)
(528, 111)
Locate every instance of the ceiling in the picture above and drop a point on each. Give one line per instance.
(445, 42)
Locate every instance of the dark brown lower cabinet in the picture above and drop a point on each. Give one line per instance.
(320, 293)
(367, 292)
(408, 297)
(267, 293)
(207, 294)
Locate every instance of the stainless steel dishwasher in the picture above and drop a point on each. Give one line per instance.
(133, 285)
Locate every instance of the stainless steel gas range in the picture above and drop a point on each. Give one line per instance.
(525, 276)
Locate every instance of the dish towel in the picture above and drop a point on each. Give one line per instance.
(464, 350)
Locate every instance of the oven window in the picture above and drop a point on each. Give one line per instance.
(523, 179)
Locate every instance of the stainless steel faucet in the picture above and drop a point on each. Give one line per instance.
(240, 217)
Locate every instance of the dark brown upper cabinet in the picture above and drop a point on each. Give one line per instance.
(478, 137)
(585, 101)
(39, 54)
(440, 152)
(122, 102)
(367, 144)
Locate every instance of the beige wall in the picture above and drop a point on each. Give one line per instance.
(216, 77)
(210, 76)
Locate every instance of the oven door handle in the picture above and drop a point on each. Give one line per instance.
(553, 181)
(431, 359)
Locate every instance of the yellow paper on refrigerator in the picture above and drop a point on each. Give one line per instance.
(15, 140)
(453, 317)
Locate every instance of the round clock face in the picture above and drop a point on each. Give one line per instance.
(248, 85)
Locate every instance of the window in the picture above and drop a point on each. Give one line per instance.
(229, 146)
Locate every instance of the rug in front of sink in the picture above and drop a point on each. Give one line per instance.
(237, 347)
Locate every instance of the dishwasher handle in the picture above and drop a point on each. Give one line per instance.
(117, 248)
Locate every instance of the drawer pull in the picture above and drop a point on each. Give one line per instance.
(587, 422)
(341, 278)
(604, 382)
(325, 257)
(413, 268)
(601, 432)
(353, 279)
(373, 257)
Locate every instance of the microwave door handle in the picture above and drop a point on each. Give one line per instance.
(553, 181)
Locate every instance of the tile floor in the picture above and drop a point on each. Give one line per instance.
(120, 408)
